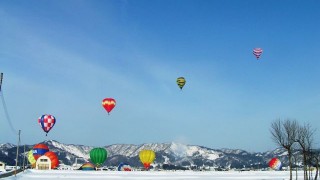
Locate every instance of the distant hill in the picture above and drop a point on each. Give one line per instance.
(168, 155)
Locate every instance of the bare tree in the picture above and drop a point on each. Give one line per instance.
(305, 140)
(285, 135)
(296, 157)
(316, 158)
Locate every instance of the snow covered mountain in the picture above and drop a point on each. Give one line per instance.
(173, 154)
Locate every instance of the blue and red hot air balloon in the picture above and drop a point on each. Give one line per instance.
(47, 122)
(39, 150)
(124, 167)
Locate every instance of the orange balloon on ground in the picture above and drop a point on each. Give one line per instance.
(54, 159)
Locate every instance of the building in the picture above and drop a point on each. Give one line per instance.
(43, 163)
(2, 167)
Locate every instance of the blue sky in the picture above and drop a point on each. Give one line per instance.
(64, 57)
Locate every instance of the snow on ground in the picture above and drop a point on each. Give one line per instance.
(153, 175)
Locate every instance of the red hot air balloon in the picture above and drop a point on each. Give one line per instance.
(54, 159)
(108, 104)
(257, 52)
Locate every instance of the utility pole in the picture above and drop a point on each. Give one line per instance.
(1, 77)
(15, 172)
(24, 156)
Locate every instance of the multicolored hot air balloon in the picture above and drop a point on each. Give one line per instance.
(31, 159)
(87, 167)
(124, 167)
(54, 159)
(98, 156)
(181, 82)
(275, 164)
(39, 150)
(47, 122)
(147, 157)
(108, 104)
(257, 52)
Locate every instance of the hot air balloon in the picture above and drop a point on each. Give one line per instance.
(47, 122)
(98, 156)
(275, 164)
(257, 52)
(39, 150)
(147, 157)
(124, 167)
(87, 167)
(181, 82)
(31, 159)
(108, 104)
(54, 159)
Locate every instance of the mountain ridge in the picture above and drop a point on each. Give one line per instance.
(172, 153)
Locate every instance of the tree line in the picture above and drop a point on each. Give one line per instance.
(298, 140)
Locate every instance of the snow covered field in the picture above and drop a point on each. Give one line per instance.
(154, 175)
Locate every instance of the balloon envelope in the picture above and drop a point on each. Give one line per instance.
(31, 159)
(124, 167)
(108, 104)
(87, 167)
(257, 52)
(54, 159)
(39, 150)
(181, 82)
(47, 122)
(98, 156)
(275, 164)
(147, 157)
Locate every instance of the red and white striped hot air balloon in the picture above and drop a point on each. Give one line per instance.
(257, 52)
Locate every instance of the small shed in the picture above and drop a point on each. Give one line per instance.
(43, 163)
(2, 166)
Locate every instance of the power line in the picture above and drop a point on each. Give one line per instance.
(5, 106)
(7, 113)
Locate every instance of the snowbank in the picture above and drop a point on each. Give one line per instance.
(153, 175)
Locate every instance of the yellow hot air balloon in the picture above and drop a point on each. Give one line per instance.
(31, 159)
(181, 82)
(147, 157)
